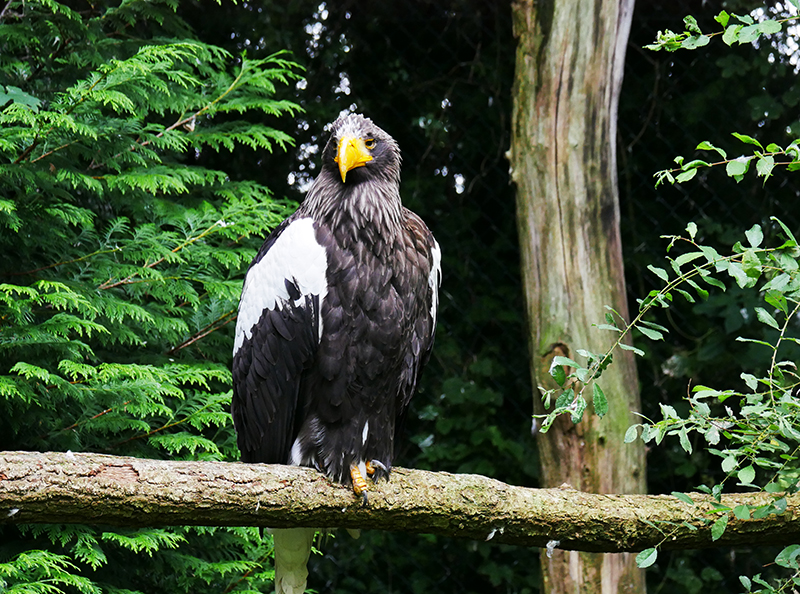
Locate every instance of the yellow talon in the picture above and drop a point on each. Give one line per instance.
(374, 465)
(359, 484)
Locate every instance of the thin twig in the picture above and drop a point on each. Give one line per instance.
(65, 262)
(100, 414)
(212, 327)
(111, 285)
(5, 9)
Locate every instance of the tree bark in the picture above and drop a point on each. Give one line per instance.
(569, 63)
(131, 492)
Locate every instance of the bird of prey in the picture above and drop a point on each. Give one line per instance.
(336, 321)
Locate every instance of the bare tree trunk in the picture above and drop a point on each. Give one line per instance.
(569, 63)
(60, 488)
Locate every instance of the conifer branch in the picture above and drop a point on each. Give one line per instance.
(183, 120)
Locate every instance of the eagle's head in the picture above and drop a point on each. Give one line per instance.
(360, 151)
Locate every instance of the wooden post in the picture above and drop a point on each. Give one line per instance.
(569, 63)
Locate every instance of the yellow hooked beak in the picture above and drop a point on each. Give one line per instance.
(351, 153)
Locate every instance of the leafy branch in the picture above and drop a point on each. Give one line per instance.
(744, 266)
(758, 443)
(736, 28)
(737, 168)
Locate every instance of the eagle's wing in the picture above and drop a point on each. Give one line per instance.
(277, 334)
(423, 250)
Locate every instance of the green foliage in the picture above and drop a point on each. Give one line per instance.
(752, 426)
(736, 29)
(719, 418)
(121, 266)
(755, 431)
(764, 160)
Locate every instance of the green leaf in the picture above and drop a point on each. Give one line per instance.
(683, 497)
(630, 434)
(750, 380)
(746, 475)
(650, 333)
(691, 25)
(694, 42)
(788, 557)
(738, 167)
(778, 301)
(627, 347)
(749, 34)
(691, 229)
(719, 526)
(565, 398)
(740, 276)
(659, 272)
(683, 436)
(769, 26)
(685, 175)
(654, 326)
(688, 257)
(18, 96)
(765, 318)
(559, 360)
(746, 583)
(599, 401)
(668, 411)
(707, 146)
(579, 406)
(729, 463)
(747, 139)
(714, 282)
(558, 374)
(786, 230)
(754, 235)
(731, 34)
(742, 512)
(764, 166)
(722, 18)
(646, 558)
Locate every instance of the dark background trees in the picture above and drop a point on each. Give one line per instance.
(438, 77)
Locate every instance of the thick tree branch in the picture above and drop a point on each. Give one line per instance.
(118, 491)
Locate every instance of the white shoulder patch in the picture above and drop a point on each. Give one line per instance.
(435, 278)
(296, 256)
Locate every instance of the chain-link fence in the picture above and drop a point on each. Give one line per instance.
(438, 77)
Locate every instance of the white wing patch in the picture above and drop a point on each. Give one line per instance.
(435, 278)
(365, 433)
(295, 256)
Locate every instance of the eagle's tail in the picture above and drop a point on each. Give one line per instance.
(292, 548)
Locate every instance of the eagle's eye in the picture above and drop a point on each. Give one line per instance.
(370, 143)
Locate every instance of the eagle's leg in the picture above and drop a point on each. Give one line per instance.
(359, 484)
(292, 548)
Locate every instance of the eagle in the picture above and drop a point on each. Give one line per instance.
(336, 322)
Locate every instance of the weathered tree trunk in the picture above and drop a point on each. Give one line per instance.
(118, 491)
(569, 63)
